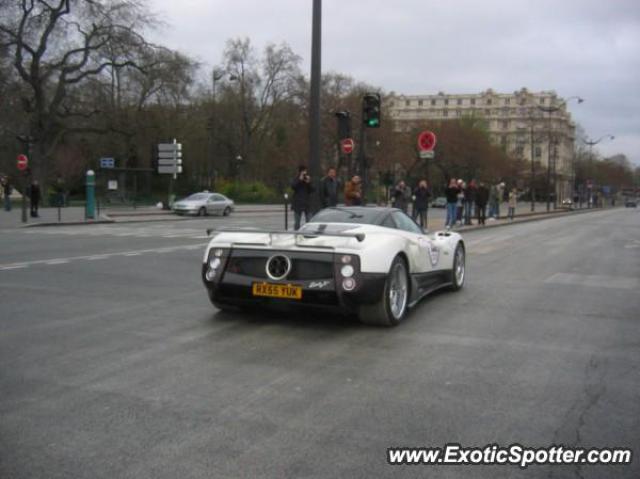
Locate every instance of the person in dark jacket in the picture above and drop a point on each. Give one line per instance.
(329, 189)
(482, 197)
(451, 192)
(6, 192)
(301, 201)
(469, 198)
(34, 196)
(400, 197)
(421, 203)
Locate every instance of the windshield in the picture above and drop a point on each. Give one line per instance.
(367, 216)
(197, 197)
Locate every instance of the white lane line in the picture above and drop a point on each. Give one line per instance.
(12, 266)
(53, 261)
(594, 280)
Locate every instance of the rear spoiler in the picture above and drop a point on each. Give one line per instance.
(306, 234)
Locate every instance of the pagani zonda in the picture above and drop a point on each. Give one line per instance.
(374, 262)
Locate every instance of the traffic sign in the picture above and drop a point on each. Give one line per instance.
(169, 169)
(169, 162)
(169, 146)
(22, 162)
(427, 154)
(347, 145)
(426, 141)
(107, 163)
(169, 154)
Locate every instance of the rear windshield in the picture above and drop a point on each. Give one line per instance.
(348, 215)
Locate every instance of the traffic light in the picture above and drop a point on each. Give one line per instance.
(371, 110)
(344, 124)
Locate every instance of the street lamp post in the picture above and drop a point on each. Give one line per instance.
(550, 110)
(591, 144)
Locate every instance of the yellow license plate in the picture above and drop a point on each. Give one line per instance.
(270, 290)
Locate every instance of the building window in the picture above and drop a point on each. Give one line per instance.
(538, 152)
(433, 103)
(520, 150)
(473, 101)
(419, 102)
(507, 101)
(505, 125)
(503, 140)
(390, 104)
(407, 103)
(489, 101)
(542, 101)
(458, 113)
(459, 101)
(445, 113)
(446, 101)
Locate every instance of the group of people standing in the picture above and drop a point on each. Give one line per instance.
(329, 192)
(33, 193)
(463, 197)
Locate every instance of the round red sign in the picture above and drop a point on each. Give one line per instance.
(426, 140)
(347, 145)
(22, 162)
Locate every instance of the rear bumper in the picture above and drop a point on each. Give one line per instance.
(327, 294)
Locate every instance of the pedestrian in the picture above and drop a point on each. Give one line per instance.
(469, 193)
(329, 189)
(493, 201)
(451, 193)
(421, 203)
(301, 201)
(513, 202)
(6, 192)
(34, 196)
(482, 197)
(399, 196)
(353, 192)
(460, 202)
(500, 188)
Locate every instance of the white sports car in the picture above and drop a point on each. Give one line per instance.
(373, 262)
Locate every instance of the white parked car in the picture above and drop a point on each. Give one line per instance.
(205, 203)
(373, 262)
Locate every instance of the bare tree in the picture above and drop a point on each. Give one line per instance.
(60, 47)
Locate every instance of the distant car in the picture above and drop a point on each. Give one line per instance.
(205, 203)
(567, 202)
(631, 203)
(439, 202)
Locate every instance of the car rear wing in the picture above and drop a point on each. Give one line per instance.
(296, 234)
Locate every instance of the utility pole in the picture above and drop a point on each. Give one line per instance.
(314, 113)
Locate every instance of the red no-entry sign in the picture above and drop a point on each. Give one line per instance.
(22, 162)
(347, 145)
(426, 141)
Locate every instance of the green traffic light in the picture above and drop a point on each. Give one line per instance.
(374, 122)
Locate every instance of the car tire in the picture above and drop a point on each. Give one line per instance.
(458, 271)
(226, 212)
(393, 305)
(202, 211)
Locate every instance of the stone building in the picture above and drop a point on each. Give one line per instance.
(525, 123)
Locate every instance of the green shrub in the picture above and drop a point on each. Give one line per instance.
(248, 192)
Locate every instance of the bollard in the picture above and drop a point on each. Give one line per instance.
(286, 212)
(91, 195)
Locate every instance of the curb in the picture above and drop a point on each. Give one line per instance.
(531, 217)
(68, 223)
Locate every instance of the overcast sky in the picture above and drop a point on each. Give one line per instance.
(575, 47)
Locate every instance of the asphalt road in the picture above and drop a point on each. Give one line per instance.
(113, 364)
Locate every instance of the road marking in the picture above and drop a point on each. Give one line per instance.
(58, 261)
(12, 266)
(594, 280)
